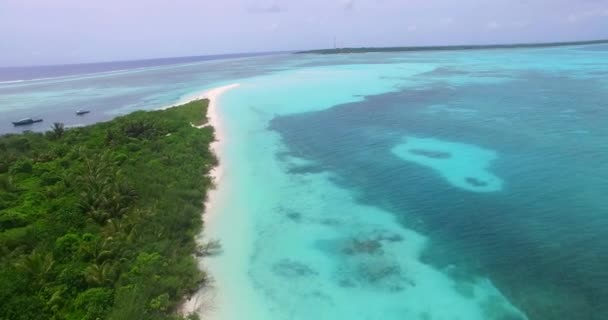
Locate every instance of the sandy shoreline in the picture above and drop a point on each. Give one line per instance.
(198, 300)
(215, 121)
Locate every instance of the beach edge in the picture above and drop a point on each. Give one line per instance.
(196, 302)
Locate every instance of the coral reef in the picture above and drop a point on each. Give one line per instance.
(476, 182)
(431, 153)
(292, 269)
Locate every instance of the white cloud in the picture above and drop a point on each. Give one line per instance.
(266, 7)
(347, 5)
(586, 15)
(446, 21)
(519, 24)
(493, 25)
(572, 18)
(275, 26)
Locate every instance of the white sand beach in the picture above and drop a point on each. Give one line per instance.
(215, 121)
(204, 297)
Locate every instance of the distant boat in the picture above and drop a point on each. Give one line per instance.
(26, 121)
(82, 112)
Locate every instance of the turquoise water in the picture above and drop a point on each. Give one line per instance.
(436, 185)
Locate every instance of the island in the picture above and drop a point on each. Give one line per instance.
(453, 47)
(99, 222)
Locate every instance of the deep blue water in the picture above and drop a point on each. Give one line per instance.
(542, 239)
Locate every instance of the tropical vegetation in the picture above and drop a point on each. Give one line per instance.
(100, 222)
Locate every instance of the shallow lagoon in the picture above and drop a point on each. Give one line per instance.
(314, 250)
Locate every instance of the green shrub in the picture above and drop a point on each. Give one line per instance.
(22, 166)
(93, 304)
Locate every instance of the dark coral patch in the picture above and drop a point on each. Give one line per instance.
(292, 269)
(363, 246)
(371, 243)
(476, 182)
(290, 214)
(294, 216)
(375, 272)
(431, 153)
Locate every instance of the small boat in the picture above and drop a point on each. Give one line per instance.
(26, 121)
(82, 112)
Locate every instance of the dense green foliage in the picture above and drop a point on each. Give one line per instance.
(100, 222)
(456, 47)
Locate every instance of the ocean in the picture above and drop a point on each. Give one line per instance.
(110, 89)
(44, 72)
(420, 185)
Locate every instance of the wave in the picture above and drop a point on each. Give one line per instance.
(80, 76)
(72, 71)
(12, 81)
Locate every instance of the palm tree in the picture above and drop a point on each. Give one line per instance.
(98, 251)
(58, 130)
(100, 275)
(36, 265)
(125, 229)
(104, 194)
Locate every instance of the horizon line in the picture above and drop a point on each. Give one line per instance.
(454, 47)
(337, 50)
(228, 55)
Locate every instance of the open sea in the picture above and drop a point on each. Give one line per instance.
(421, 185)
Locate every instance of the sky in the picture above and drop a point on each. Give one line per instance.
(34, 32)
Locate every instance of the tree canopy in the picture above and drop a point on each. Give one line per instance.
(100, 222)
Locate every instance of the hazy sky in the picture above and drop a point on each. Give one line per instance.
(63, 31)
